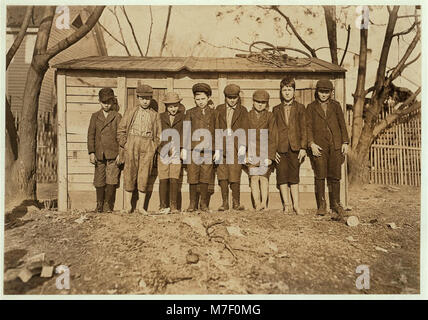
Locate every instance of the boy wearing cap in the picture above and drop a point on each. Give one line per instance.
(231, 117)
(139, 134)
(169, 165)
(259, 118)
(328, 141)
(291, 144)
(199, 173)
(103, 149)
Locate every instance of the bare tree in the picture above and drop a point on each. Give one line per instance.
(21, 173)
(166, 31)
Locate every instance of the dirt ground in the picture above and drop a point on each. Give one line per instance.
(235, 252)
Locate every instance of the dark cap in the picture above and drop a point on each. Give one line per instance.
(231, 90)
(106, 94)
(202, 87)
(144, 90)
(324, 84)
(261, 95)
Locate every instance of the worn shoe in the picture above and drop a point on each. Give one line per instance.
(237, 206)
(338, 209)
(224, 207)
(164, 211)
(107, 207)
(99, 207)
(322, 210)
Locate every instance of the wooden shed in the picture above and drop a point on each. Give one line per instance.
(78, 83)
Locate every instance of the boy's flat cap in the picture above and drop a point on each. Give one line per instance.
(171, 97)
(232, 90)
(202, 87)
(324, 84)
(105, 94)
(261, 95)
(144, 90)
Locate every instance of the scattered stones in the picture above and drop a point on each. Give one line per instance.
(196, 224)
(392, 225)
(373, 221)
(283, 255)
(271, 245)
(352, 221)
(350, 238)
(82, 219)
(25, 275)
(142, 283)
(37, 258)
(11, 274)
(234, 231)
(403, 279)
(192, 257)
(381, 249)
(47, 272)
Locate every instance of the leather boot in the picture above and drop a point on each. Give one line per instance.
(337, 207)
(193, 194)
(203, 191)
(163, 193)
(235, 186)
(108, 201)
(224, 185)
(173, 194)
(100, 199)
(320, 196)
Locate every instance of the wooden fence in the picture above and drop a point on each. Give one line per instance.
(395, 156)
(46, 146)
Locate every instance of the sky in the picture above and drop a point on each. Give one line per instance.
(207, 30)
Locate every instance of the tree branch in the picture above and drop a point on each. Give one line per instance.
(402, 64)
(405, 31)
(392, 20)
(348, 37)
(310, 49)
(20, 36)
(150, 32)
(166, 30)
(44, 31)
(78, 34)
(222, 47)
(111, 35)
(120, 29)
(133, 31)
(330, 21)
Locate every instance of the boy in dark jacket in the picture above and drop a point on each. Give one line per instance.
(328, 141)
(103, 149)
(291, 144)
(232, 118)
(199, 173)
(169, 165)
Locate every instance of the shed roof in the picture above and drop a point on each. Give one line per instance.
(191, 64)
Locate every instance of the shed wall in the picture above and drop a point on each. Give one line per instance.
(81, 100)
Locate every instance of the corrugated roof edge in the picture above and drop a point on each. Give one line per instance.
(187, 64)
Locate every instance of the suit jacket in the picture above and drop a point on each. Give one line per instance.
(200, 121)
(265, 120)
(129, 118)
(294, 134)
(239, 121)
(319, 124)
(177, 125)
(102, 134)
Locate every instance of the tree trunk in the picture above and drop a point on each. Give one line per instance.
(330, 21)
(24, 168)
(358, 160)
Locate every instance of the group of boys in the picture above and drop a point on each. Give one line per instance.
(292, 130)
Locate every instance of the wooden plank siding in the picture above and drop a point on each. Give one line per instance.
(81, 100)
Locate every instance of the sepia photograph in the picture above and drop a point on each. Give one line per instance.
(254, 150)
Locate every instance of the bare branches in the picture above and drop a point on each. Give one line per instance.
(44, 31)
(112, 36)
(20, 36)
(402, 64)
(78, 34)
(348, 29)
(166, 31)
(222, 47)
(399, 113)
(290, 24)
(132, 31)
(405, 31)
(150, 31)
(114, 13)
